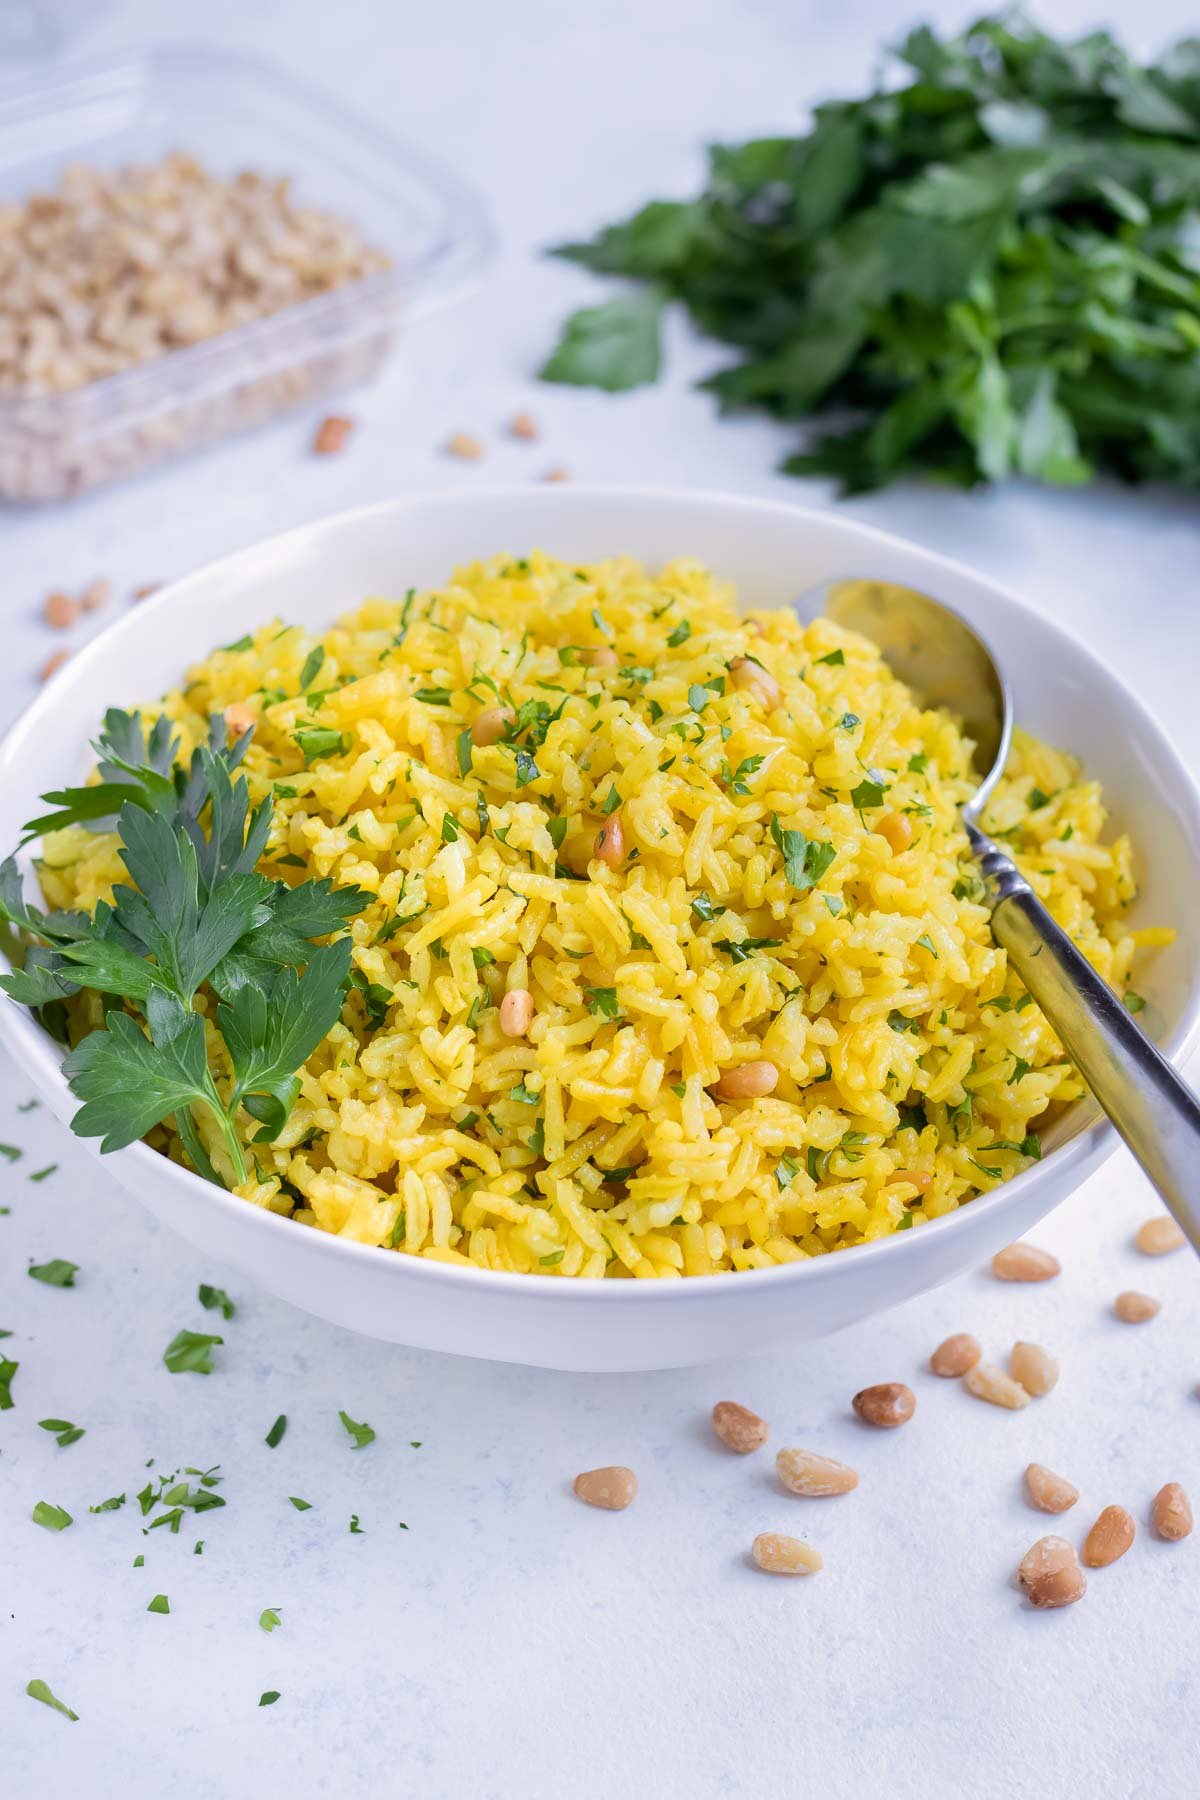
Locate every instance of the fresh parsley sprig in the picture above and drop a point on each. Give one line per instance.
(196, 915)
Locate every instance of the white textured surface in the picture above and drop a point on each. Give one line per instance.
(512, 1642)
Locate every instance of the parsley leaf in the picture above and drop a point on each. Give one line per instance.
(269, 1698)
(274, 1437)
(190, 1352)
(612, 347)
(37, 1690)
(159, 1604)
(602, 1002)
(740, 952)
(362, 1434)
(55, 1273)
(53, 1518)
(8, 1369)
(805, 860)
(215, 1299)
(269, 1618)
(65, 1433)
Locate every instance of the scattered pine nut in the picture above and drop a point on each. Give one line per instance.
(610, 841)
(1024, 1262)
(1033, 1367)
(1172, 1513)
(921, 1179)
(1046, 1557)
(752, 679)
(516, 1012)
(60, 611)
(780, 1555)
(1049, 1492)
(887, 1404)
(956, 1354)
(597, 656)
(749, 1081)
(524, 426)
(1159, 1236)
(1062, 1587)
(613, 1488)
(897, 828)
(557, 473)
(812, 1476)
(1134, 1308)
(465, 447)
(53, 664)
(491, 725)
(331, 435)
(239, 717)
(987, 1382)
(1109, 1538)
(738, 1428)
(96, 594)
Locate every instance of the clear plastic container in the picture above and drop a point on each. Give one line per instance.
(232, 112)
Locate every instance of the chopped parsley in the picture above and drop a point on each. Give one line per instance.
(269, 1618)
(274, 1437)
(190, 1352)
(269, 1698)
(681, 634)
(522, 1094)
(315, 741)
(65, 1433)
(300, 1505)
(362, 1434)
(8, 1369)
(159, 1604)
(53, 1518)
(867, 794)
(602, 1002)
(849, 720)
(55, 1273)
(215, 1299)
(37, 1690)
(1133, 1002)
(925, 942)
(313, 664)
(836, 659)
(112, 1504)
(743, 951)
(433, 696)
(611, 803)
(805, 860)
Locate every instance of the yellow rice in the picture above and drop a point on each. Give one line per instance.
(905, 1045)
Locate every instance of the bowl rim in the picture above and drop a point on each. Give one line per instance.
(1086, 1150)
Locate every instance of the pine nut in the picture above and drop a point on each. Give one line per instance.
(516, 1012)
(1172, 1513)
(921, 1179)
(749, 1081)
(1047, 1557)
(96, 594)
(1134, 1308)
(60, 610)
(1109, 1538)
(756, 682)
(53, 664)
(956, 1354)
(1049, 1492)
(887, 1404)
(897, 828)
(738, 1428)
(812, 1476)
(987, 1382)
(524, 426)
(147, 588)
(464, 446)
(1024, 1262)
(1033, 1367)
(779, 1555)
(613, 1489)
(557, 473)
(331, 435)
(598, 656)
(1061, 1588)
(239, 719)
(1157, 1237)
(491, 725)
(610, 841)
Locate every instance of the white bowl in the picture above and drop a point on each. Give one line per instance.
(772, 553)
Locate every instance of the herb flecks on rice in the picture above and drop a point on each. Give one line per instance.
(766, 909)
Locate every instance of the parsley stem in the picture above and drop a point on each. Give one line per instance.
(189, 1137)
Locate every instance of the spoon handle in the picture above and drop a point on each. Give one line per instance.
(1156, 1114)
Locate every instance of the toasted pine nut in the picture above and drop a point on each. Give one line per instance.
(1172, 1513)
(813, 1476)
(1060, 1588)
(1024, 1262)
(1134, 1308)
(987, 1382)
(1049, 1492)
(752, 679)
(1109, 1538)
(557, 473)
(749, 1081)
(737, 1427)
(897, 828)
(1158, 1236)
(464, 446)
(96, 594)
(887, 1404)
(516, 1012)
(491, 725)
(614, 1488)
(610, 841)
(956, 1354)
(331, 435)
(239, 718)
(598, 656)
(1033, 1367)
(1047, 1557)
(524, 426)
(53, 664)
(60, 610)
(780, 1555)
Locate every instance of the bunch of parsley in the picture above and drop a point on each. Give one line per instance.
(197, 915)
(993, 267)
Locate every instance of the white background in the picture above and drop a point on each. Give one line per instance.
(512, 1642)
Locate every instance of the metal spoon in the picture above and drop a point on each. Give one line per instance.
(941, 658)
